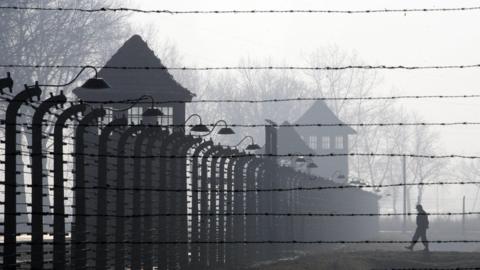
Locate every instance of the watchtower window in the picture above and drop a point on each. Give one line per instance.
(339, 142)
(326, 142)
(135, 115)
(108, 116)
(313, 142)
(105, 120)
(167, 118)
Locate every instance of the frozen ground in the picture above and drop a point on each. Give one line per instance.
(384, 256)
(376, 259)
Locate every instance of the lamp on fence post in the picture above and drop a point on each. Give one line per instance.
(223, 131)
(37, 177)
(92, 83)
(310, 166)
(338, 175)
(79, 247)
(200, 128)
(59, 249)
(251, 147)
(37, 161)
(10, 208)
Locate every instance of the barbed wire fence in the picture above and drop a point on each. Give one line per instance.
(147, 195)
(216, 202)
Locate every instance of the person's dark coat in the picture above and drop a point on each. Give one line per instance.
(422, 220)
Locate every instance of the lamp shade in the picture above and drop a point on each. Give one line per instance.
(152, 112)
(312, 165)
(252, 147)
(96, 83)
(226, 131)
(200, 128)
(300, 160)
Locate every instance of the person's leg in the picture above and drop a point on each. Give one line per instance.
(424, 239)
(414, 239)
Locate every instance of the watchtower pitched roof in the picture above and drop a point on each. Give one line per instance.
(320, 113)
(130, 83)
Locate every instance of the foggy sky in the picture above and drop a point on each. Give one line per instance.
(437, 38)
(391, 39)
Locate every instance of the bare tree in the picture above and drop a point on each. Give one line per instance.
(374, 139)
(356, 83)
(56, 38)
(270, 84)
(423, 141)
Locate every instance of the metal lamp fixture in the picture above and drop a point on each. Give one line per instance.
(152, 111)
(223, 131)
(312, 165)
(226, 131)
(252, 146)
(92, 83)
(340, 176)
(96, 83)
(201, 128)
(300, 159)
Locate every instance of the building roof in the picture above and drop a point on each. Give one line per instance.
(320, 113)
(158, 83)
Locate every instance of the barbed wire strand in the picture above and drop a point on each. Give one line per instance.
(247, 155)
(253, 242)
(384, 124)
(139, 101)
(299, 188)
(251, 11)
(308, 214)
(211, 68)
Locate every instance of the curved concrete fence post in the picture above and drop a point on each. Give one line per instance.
(37, 251)
(59, 248)
(196, 259)
(79, 254)
(11, 154)
(120, 194)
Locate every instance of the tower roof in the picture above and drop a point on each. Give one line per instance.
(320, 113)
(132, 83)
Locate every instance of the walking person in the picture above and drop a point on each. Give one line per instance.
(421, 231)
